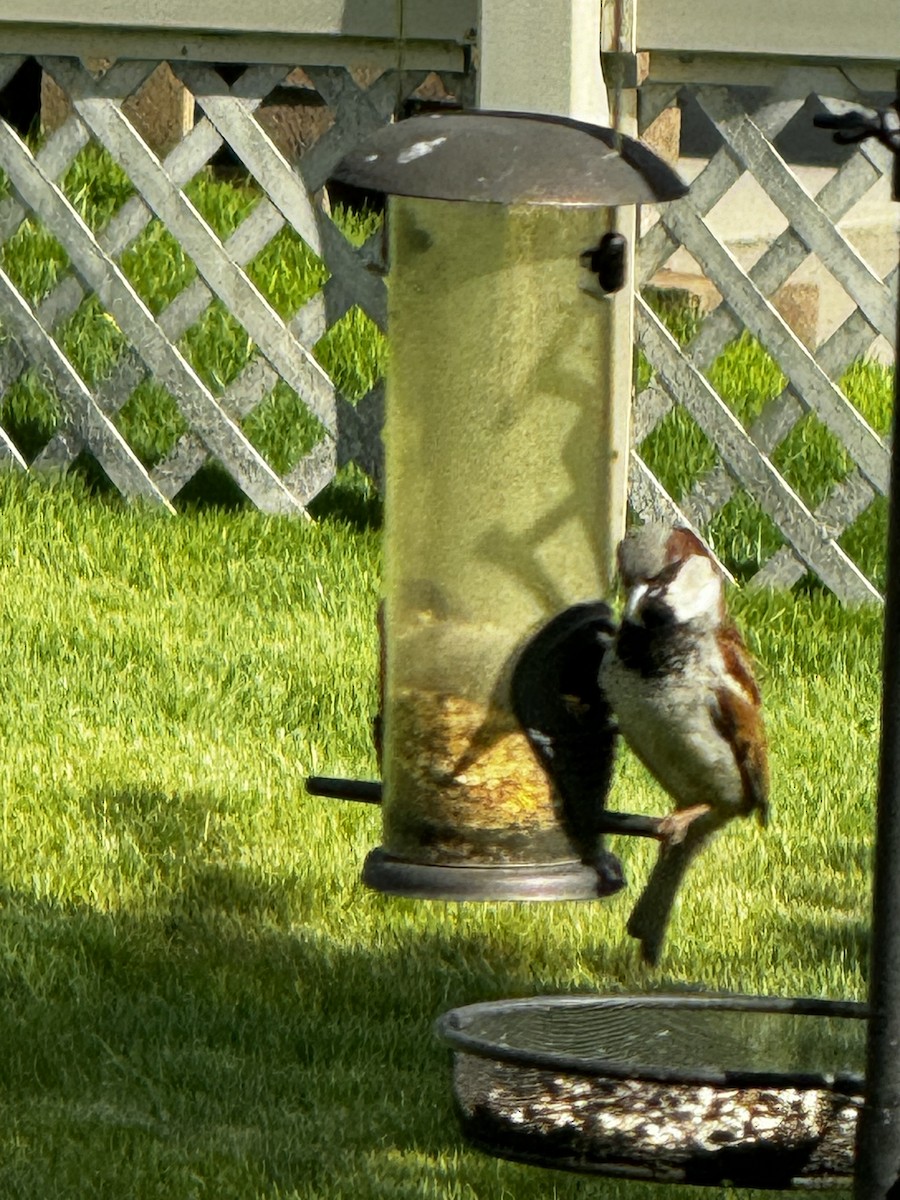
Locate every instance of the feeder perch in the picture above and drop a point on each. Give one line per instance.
(506, 473)
(715, 1090)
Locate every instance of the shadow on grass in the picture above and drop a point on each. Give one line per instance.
(841, 941)
(222, 1043)
(206, 1046)
(350, 499)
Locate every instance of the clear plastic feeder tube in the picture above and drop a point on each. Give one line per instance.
(506, 474)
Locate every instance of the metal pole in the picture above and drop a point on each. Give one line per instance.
(878, 1138)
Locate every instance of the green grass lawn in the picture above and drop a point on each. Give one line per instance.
(199, 997)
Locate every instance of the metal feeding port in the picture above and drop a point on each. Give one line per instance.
(710, 1090)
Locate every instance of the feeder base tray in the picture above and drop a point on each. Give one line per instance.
(424, 881)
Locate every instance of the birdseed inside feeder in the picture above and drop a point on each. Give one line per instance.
(506, 471)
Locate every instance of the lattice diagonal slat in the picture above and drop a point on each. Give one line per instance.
(282, 350)
(746, 147)
(358, 113)
(222, 275)
(748, 464)
(713, 490)
(93, 426)
(105, 278)
(765, 322)
(656, 247)
(122, 230)
(810, 223)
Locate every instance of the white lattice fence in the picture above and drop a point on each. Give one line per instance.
(153, 335)
(215, 416)
(810, 530)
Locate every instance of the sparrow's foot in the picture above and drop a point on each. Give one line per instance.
(673, 828)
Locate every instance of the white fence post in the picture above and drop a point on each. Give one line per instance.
(535, 56)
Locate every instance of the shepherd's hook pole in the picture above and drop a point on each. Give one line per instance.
(877, 1174)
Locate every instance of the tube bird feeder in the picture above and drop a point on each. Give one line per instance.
(505, 464)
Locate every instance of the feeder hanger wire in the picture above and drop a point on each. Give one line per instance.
(618, 82)
(400, 47)
(610, 259)
(878, 1137)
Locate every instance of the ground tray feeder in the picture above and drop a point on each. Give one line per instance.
(752, 1092)
(506, 473)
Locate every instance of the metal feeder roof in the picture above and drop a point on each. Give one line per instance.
(509, 158)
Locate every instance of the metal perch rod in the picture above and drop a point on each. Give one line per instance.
(366, 791)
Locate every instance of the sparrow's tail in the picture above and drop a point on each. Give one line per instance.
(650, 916)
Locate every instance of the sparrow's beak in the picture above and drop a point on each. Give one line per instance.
(635, 596)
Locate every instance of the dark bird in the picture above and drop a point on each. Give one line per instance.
(556, 698)
(681, 684)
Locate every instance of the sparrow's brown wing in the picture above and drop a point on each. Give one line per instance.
(737, 661)
(740, 722)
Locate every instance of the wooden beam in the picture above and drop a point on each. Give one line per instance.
(803, 29)
(430, 20)
(194, 44)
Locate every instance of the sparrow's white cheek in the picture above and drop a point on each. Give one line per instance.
(635, 596)
(696, 590)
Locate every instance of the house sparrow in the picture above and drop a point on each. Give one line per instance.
(680, 682)
(557, 700)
